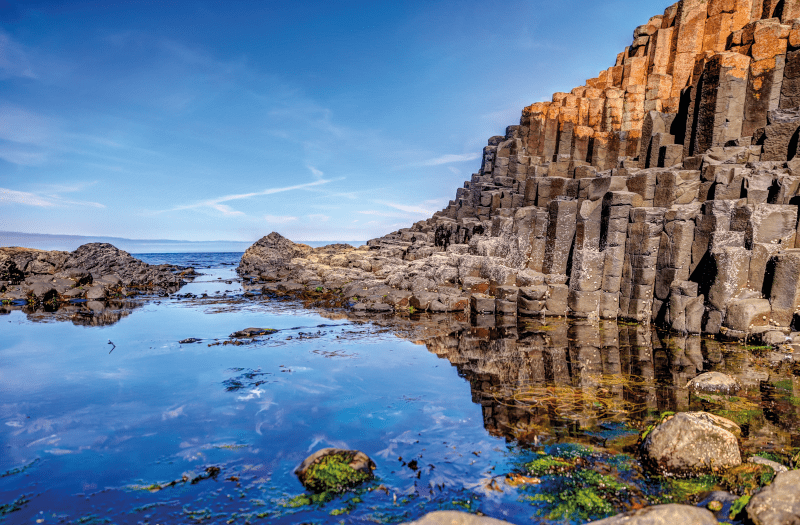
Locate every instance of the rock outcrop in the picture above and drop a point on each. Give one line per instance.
(666, 189)
(95, 271)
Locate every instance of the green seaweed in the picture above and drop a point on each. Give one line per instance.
(683, 490)
(547, 465)
(747, 478)
(738, 506)
(333, 473)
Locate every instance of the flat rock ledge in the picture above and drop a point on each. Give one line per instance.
(95, 272)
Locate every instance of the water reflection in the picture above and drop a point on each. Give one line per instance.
(545, 379)
(80, 313)
(156, 412)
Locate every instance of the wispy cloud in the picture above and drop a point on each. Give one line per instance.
(279, 219)
(217, 201)
(449, 159)
(314, 171)
(318, 217)
(8, 196)
(14, 60)
(419, 210)
(227, 210)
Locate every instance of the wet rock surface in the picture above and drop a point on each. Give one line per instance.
(714, 383)
(95, 272)
(689, 443)
(778, 503)
(662, 515)
(452, 517)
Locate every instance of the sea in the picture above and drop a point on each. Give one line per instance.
(147, 411)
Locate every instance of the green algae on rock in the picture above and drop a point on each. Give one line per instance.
(335, 470)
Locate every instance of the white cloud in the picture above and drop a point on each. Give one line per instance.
(318, 217)
(418, 210)
(8, 196)
(314, 171)
(455, 170)
(279, 219)
(447, 159)
(215, 202)
(21, 197)
(227, 210)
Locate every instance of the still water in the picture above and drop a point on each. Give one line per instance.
(105, 417)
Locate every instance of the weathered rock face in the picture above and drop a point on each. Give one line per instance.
(692, 442)
(272, 252)
(778, 503)
(666, 189)
(95, 271)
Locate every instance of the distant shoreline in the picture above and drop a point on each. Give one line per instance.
(43, 241)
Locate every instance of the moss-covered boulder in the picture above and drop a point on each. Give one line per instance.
(335, 470)
(691, 443)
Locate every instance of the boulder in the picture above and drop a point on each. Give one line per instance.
(662, 515)
(453, 517)
(335, 470)
(778, 503)
(714, 383)
(271, 252)
(689, 443)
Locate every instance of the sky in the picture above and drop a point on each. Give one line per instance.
(203, 120)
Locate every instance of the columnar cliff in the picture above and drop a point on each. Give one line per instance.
(665, 189)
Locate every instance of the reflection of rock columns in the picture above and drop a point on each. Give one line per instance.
(643, 362)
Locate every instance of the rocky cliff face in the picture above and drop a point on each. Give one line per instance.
(665, 189)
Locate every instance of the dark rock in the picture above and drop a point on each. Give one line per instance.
(252, 332)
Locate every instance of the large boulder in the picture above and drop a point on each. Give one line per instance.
(689, 443)
(453, 517)
(778, 503)
(671, 514)
(335, 470)
(270, 254)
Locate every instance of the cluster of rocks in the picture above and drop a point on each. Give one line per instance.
(665, 190)
(96, 272)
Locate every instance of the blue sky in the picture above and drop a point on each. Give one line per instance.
(324, 120)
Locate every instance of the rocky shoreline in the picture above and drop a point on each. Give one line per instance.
(93, 272)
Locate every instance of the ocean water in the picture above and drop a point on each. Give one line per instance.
(106, 417)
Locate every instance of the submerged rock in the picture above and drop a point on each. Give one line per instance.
(453, 517)
(671, 514)
(714, 383)
(335, 470)
(689, 443)
(778, 503)
(252, 332)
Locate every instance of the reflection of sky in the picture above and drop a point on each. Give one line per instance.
(153, 409)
